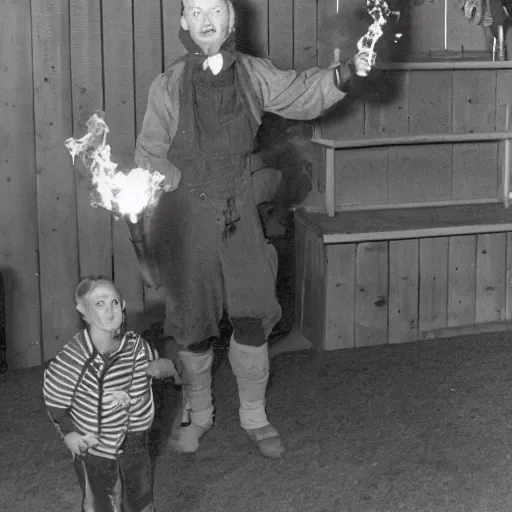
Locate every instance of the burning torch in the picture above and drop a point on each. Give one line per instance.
(127, 194)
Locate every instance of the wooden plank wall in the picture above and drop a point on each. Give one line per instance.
(61, 61)
(421, 101)
(374, 293)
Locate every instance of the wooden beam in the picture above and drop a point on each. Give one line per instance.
(432, 138)
(330, 183)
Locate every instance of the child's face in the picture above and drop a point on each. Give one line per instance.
(103, 307)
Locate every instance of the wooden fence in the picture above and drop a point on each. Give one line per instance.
(61, 60)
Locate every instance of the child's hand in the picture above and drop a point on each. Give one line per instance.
(362, 63)
(163, 369)
(78, 444)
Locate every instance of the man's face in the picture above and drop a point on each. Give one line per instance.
(102, 308)
(208, 23)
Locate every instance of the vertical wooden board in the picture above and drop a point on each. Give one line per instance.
(280, 33)
(491, 277)
(371, 303)
(344, 120)
(423, 173)
(418, 174)
(56, 197)
(253, 27)
(313, 312)
(18, 194)
(147, 34)
(147, 43)
(361, 177)
(433, 292)
(387, 114)
(339, 296)
(326, 10)
(386, 118)
(403, 290)
(430, 101)
(461, 34)
(425, 24)
(476, 174)
(503, 98)
(475, 165)
(508, 279)
(461, 280)
(120, 117)
(304, 34)
(171, 15)
(94, 224)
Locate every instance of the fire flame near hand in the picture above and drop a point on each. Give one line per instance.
(380, 12)
(123, 193)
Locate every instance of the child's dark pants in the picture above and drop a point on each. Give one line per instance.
(125, 484)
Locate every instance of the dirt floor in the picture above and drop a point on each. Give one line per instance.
(422, 427)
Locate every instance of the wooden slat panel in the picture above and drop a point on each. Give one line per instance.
(94, 224)
(403, 291)
(361, 176)
(18, 195)
(385, 117)
(55, 175)
(326, 9)
(461, 280)
(339, 296)
(490, 277)
(371, 304)
(430, 102)
(387, 113)
(120, 117)
(304, 34)
(475, 168)
(433, 293)
(252, 38)
(425, 27)
(423, 173)
(508, 279)
(313, 289)
(280, 33)
(503, 98)
(171, 15)
(419, 174)
(147, 35)
(461, 34)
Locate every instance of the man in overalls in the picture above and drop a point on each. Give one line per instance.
(201, 121)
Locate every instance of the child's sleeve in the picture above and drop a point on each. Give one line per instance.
(58, 388)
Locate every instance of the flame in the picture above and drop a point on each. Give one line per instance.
(123, 193)
(380, 12)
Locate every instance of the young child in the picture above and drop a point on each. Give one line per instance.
(98, 394)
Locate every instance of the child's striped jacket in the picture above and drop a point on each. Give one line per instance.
(84, 390)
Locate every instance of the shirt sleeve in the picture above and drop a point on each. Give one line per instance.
(154, 139)
(301, 95)
(58, 388)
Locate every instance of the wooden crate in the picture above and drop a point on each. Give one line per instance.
(395, 276)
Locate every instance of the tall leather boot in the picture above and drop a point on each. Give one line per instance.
(196, 376)
(250, 366)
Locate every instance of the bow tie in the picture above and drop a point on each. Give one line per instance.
(215, 63)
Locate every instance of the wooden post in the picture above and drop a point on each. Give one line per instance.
(330, 183)
(506, 162)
